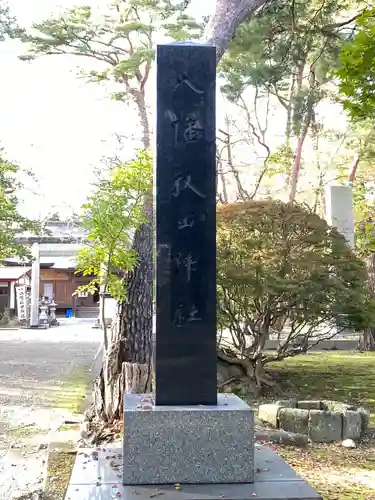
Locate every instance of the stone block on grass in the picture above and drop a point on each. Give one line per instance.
(287, 403)
(310, 405)
(365, 418)
(269, 413)
(335, 406)
(279, 436)
(325, 426)
(294, 420)
(351, 425)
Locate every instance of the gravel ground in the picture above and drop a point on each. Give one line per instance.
(33, 366)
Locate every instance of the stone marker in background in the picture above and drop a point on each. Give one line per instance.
(340, 214)
(340, 211)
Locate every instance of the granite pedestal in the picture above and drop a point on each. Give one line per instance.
(188, 444)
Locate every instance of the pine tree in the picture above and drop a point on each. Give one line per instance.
(288, 52)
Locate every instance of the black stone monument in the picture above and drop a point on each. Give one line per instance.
(185, 359)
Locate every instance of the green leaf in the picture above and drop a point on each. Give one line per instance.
(111, 214)
(122, 38)
(12, 223)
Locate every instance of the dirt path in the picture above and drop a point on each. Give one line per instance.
(43, 375)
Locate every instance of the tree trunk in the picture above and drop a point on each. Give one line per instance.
(127, 363)
(223, 24)
(135, 328)
(353, 169)
(250, 371)
(367, 337)
(136, 313)
(296, 166)
(366, 340)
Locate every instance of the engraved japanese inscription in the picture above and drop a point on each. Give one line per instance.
(185, 222)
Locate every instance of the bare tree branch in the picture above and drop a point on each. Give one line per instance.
(353, 168)
(333, 26)
(242, 193)
(260, 137)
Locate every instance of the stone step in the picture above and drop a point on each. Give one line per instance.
(87, 312)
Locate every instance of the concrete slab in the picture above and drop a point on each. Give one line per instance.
(102, 465)
(270, 467)
(97, 474)
(284, 490)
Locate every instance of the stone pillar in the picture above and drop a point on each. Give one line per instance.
(340, 214)
(35, 274)
(192, 435)
(340, 211)
(186, 225)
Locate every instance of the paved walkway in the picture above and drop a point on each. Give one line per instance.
(37, 369)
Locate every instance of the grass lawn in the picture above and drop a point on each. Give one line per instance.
(71, 393)
(59, 469)
(336, 472)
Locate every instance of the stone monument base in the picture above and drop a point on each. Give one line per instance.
(188, 444)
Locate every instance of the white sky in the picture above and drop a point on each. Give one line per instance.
(54, 123)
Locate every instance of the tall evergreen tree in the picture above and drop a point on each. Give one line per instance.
(288, 51)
